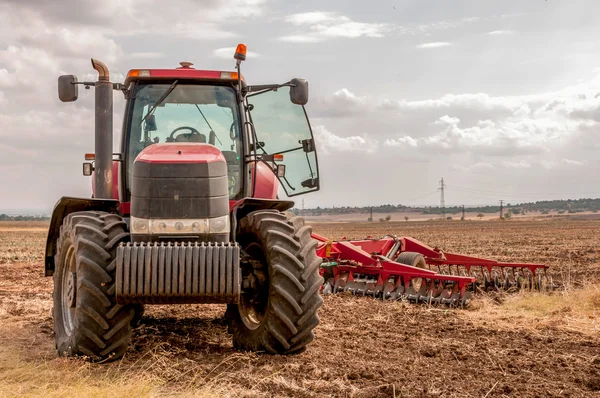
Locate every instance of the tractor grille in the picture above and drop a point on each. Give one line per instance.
(167, 273)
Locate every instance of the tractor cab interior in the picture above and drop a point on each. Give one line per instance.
(189, 113)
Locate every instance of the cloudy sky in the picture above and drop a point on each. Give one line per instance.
(500, 98)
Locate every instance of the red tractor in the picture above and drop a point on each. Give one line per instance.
(187, 211)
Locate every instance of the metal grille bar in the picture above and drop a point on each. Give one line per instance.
(178, 273)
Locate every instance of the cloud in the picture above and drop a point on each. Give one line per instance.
(436, 44)
(315, 17)
(505, 132)
(499, 32)
(404, 141)
(521, 164)
(227, 53)
(329, 25)
(146, 55)
(301, 39)
(479, 166)
(570, 162)
(328, 142)
(211, 18)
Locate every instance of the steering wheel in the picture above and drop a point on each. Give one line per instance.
(193, 131)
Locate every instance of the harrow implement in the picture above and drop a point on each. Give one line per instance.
(395, 268)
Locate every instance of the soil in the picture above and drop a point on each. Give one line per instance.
(363, 347)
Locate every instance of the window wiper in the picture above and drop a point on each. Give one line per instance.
(160, 100)
(209, 126)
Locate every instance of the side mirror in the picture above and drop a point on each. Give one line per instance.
(88, 168)
(280, 170)
(67, 88)
(299, 91)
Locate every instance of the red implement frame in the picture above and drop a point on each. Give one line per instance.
(368, 267)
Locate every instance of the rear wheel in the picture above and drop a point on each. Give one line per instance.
(87, 320)
(280, 294)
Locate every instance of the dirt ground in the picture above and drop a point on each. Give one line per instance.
(520, 345)
(469, 216)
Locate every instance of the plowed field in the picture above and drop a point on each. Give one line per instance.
(520, 345)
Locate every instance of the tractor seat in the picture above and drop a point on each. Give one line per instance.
(231, 157)
(191, 138)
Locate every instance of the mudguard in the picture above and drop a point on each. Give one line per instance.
(63, 208)
(245, 206)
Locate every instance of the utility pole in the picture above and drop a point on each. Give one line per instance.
(501, 203)
(371, 213)
(442, 203)
(463, 213)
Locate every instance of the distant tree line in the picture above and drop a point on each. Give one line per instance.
(5, 217)
(544, 206)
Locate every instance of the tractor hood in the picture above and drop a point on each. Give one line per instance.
(181, 153)
(180, 181)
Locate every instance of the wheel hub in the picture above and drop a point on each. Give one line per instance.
(255, 292)
(68, 292)
(71, 289)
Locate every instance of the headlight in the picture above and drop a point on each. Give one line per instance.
(180, 226)
(140, 225)
(219, 224)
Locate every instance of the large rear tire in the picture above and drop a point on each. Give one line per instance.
(280, 297)
(87, 319)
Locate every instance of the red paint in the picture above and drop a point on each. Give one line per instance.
(267, 184)
(125, 208)
(180, 153)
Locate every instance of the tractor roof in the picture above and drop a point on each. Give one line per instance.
(184, 72)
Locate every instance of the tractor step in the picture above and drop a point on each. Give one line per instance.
(178, 273)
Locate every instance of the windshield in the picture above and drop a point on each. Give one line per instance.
(189, 113)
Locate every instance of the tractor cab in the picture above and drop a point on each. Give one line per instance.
(263, 128)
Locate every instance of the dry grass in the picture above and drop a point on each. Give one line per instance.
(22, 243)
(27, 374)
(67, 378)
(576, 309)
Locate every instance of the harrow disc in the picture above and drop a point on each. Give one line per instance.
(506, 280)
(388, 290)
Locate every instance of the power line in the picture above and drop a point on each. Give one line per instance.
(421, 197)
(442, 201)
(519, 193)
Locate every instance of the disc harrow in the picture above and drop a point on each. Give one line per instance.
(395, 268)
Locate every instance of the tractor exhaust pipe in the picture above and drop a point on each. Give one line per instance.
(103, 131)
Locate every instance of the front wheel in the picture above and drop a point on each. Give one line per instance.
(280, 293)
(87, 319)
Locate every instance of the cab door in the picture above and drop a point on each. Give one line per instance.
(282, 135)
